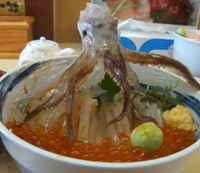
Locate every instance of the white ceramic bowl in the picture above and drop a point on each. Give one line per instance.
(187, 51)
(31, 159)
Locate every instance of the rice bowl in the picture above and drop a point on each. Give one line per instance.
(33, 159)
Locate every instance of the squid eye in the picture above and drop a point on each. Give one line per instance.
(84, 33)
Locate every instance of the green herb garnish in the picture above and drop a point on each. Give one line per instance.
(162, 97)
(109, 85)
(111, 88)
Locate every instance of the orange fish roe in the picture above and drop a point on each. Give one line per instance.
(107, 151)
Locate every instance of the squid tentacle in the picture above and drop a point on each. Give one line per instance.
(161, 60)
(83, 65)
(115, 70)
(69, 96)
(56, 98)
(82, 70)
(121, 63)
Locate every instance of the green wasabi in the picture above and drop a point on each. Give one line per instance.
(148, 136)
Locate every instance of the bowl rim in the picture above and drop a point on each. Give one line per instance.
(185, 38)
(85, 163)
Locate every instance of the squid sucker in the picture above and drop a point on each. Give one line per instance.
(101, 49)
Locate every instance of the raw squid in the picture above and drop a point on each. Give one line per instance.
(66, 95)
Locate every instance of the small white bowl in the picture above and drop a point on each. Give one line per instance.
(187, 51)
(31, 159)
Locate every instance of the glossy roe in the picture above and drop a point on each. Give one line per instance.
(107, 151)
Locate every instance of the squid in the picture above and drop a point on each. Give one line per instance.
(102, 51)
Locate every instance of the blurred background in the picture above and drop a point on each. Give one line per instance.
(24, 20)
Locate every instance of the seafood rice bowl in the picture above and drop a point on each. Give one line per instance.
(108, 110)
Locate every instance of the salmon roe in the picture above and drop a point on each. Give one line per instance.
(106, 151)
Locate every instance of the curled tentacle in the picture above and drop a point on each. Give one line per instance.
(112, 67)
(117, 72)
(160, 60)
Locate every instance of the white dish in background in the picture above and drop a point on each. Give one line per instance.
(170, 51)
(187, 51)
